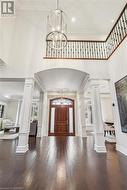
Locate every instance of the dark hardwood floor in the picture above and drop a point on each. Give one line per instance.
(61, 163)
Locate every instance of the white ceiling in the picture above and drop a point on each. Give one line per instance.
(62, 79)
(14, 90)
(10, 90)
(94, 18)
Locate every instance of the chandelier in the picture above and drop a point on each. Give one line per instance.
(57, 29)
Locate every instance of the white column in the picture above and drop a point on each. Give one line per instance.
(40, 115)
(18, 113)
(82, 114)
(44, 131)
(25, 116)
(97, 121)
(79, 123)
(89, 114)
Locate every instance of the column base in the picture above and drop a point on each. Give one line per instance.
(100, 149)
(22, 149)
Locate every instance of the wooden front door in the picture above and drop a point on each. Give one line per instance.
(61, 117)
(61, 120)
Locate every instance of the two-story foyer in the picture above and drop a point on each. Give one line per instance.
(63, 95)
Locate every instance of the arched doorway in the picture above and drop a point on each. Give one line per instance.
(61, 117)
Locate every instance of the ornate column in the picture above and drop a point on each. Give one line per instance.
(97, 120)
(18, 113)
(44, 131)
(25, 116)
(82, 114)
(88, 113)
(40, 115)
(79, 123)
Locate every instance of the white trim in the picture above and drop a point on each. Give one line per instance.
(2, 133)
(121, 149)
(100, 149)
(22, 149)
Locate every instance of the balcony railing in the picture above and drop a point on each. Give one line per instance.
(77, 49)
(117, 34)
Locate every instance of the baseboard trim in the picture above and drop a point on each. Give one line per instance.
(100, 149)
(22, 149)
(121, 149)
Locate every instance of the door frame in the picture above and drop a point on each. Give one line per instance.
(49, 126)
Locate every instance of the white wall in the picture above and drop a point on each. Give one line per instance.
(118, 69)
(25, 48)
(96, 69)
(7, 26)
(11, 110)
(22, 45)
(107, 112)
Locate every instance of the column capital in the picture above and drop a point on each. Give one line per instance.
(29, 81)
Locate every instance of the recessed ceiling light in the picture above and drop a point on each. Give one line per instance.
(73, 19)
(6, 96)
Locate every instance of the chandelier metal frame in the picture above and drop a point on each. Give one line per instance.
(57, 28)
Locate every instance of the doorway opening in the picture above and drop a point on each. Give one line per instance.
(61, 117)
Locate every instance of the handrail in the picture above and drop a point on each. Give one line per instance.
(88, 49)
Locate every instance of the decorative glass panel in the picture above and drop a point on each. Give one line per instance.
(70, 120)
(52, 119)
(62, 101)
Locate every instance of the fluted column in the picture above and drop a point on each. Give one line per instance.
(40, 115)
(79, 123)
(89, 114)
(25, 116)
(18, 113)
(44, 131)
(97, 120)
(82, 114)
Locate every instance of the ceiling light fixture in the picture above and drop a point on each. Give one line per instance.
(73, 19)
(7, 96)
(57, 28)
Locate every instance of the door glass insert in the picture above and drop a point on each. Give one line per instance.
(62, 101)
(52, 119)
(71, 120)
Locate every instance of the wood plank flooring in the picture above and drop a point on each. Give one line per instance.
(61, 163)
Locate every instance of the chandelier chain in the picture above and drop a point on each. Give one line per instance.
(57, 4)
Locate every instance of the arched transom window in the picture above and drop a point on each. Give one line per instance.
(61, 101)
